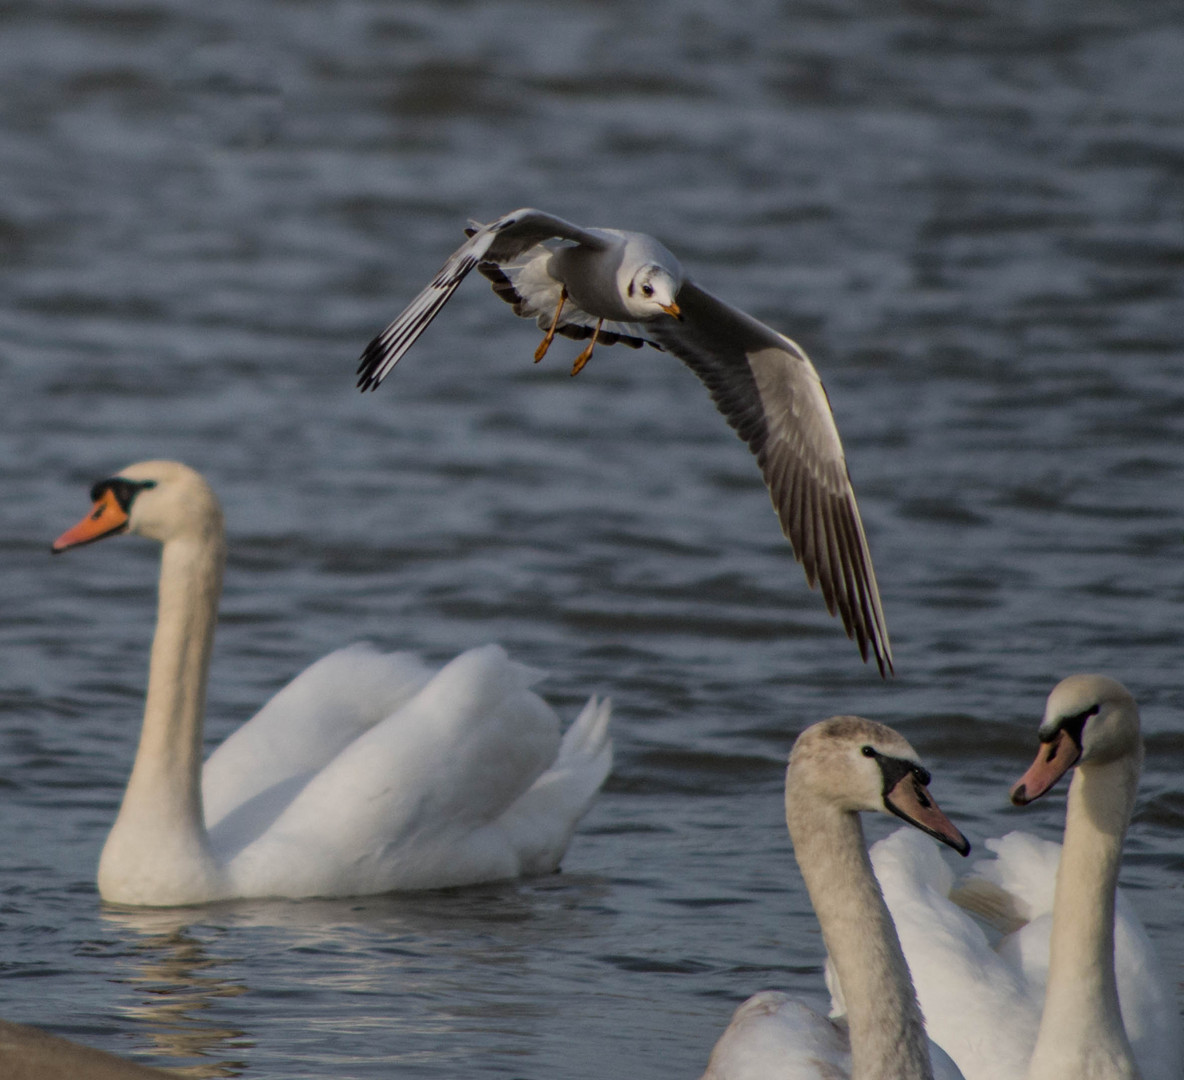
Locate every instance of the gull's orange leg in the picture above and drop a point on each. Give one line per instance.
(545, 344)
(586, 355)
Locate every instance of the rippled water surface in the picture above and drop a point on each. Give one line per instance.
(970, 214)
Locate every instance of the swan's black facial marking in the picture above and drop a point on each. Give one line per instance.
(123, 490)
(1073, 726)
(906, 794)
(893, 770)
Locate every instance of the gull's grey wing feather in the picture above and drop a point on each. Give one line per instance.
(770, 393)
(497, 242)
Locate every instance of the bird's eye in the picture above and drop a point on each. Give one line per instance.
(647, 290)
(868, 751)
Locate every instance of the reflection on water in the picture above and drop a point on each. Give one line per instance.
(177, 980)
(327, 971)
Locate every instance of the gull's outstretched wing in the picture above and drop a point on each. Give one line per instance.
(497, 242)
(770, 393)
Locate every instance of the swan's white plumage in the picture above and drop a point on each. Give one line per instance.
(367, 773)
(428, 796)
(982, 986)
(775, 1037)
(970, 996)
(303, 727)
(982, 994)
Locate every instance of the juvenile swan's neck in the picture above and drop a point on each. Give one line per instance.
(1081, 1029)
(158, 844)
(888, 1040)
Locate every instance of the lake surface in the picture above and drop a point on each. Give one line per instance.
(971, 215)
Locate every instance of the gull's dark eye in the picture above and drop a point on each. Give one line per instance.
(647, 290)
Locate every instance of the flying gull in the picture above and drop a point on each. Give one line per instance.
(610, 287)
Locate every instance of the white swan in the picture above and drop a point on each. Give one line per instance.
(838, 768)
(1099, 1004)
(366, 774)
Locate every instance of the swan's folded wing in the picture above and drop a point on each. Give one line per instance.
(771, 395)
(541, 822)
(963, 986)
(1023, 870)
(307, 724)
(988, 901)
(410, 803)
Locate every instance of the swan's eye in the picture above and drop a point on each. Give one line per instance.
(868, 751)
(647, 290)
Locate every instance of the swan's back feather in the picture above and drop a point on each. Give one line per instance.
(1025, 866)
(982, 1002)
(307, 724)
(963, 986)
(775, 1037)
(429, 796)
(772, 1035)
(541, 823)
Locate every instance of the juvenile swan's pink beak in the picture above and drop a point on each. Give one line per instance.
(910, 799)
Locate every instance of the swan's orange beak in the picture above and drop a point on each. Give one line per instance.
(1053, 760)
(910, 799)
(672, 309)
(106, 517)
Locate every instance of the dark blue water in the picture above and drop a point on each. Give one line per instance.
(970, 214)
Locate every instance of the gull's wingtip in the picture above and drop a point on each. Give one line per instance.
(373, 366)
(367, 365)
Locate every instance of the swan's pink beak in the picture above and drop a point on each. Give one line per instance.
(1052, 762)
(106, 517)
(910, 799)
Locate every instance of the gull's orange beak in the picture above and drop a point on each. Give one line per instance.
(106, 517)
(1053, 760)
(672, 309)
(910, 799)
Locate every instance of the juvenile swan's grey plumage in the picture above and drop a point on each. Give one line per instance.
(611, 286)
(837, 769)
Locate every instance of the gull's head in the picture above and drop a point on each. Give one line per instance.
(651, 292)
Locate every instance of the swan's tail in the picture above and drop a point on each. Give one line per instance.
(543, 819)
(587, 739)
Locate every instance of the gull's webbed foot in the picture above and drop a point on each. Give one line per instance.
(586, 355)
(545, 344)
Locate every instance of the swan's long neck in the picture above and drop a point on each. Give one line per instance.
(158, 844)
(1081, 1029)
(888, 1040)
